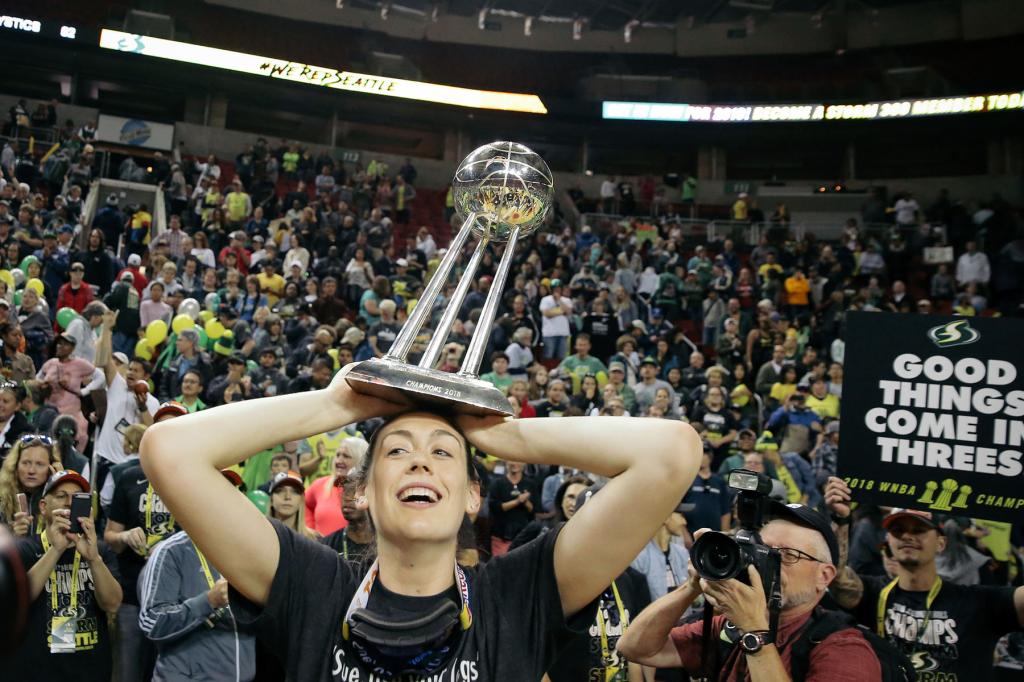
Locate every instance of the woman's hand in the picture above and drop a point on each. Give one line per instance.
(488, 434)
(22, 524)
(358, 405)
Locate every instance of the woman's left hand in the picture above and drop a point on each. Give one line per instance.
(491, 433)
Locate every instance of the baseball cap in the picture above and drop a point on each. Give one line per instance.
(808, 517)
(49, 234)
(232, 477)
(135, 260)
(927, 518)
(648, 361)
(66, 476)
(287, 478)
(77, 266)
(257, 238)
(170, 409)
(616, 367)
(227, 311)
(66, 228)
(120, 357)
(127, 277)
(749, 433)
(832, 427)
(656, 312)
(402, 263)
(639, 324)
(69, 338)
(556, 283)
(236, 359)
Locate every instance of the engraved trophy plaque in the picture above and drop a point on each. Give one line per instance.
(502, 192)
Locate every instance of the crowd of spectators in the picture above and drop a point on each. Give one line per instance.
(273, 275)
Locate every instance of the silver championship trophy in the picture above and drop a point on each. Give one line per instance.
(502, 191)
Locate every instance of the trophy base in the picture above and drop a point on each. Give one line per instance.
(401, 382)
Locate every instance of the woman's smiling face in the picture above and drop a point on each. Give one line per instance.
(418, 487)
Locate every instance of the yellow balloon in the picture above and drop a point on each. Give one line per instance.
(143, 350)
(36, 285)
(182, 322)
(156, 332)
(333, 352)
(214, 329)
(206, 316)
(7, 278)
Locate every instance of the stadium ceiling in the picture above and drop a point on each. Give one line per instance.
(618, 14)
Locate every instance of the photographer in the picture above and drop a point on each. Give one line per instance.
(74, 586)
(809, 553)
(948, 630)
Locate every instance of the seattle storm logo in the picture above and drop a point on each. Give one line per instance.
(955, 333)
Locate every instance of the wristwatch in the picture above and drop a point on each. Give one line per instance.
(752, 642)
(842, 520)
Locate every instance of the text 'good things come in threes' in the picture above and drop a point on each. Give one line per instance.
(935, 399)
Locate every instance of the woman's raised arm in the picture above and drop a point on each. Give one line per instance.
(182, 458)
(652, 462)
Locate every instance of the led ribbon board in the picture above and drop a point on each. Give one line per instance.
(770, 113)
(318, 75)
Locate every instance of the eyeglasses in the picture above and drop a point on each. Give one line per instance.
(35, 439)
(9, 386)
(792, 556)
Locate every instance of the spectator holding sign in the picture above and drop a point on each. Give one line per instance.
(949, 631)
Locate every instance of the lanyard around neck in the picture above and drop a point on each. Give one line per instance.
(883, 597)
(362, 597)
(73, 606)
(205, 566)
(605, 649)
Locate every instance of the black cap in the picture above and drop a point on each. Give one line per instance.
(236, 359)
(227, 311)
(807, 517)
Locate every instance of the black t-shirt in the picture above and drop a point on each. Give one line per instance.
(713, 500)
(128, 508)
(345, 546)
(718, 423)
(581, 659)
(963, 625)
(508, 524)
(91, 660)
(386, 333)
(517, 615)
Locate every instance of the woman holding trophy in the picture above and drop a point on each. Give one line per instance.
(415, 613)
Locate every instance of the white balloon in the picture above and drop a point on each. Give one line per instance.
(190, 307)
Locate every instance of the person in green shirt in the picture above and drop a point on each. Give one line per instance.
(582, 363)
(191, 387)
(499, 376)
(290, 161)
(617, 379)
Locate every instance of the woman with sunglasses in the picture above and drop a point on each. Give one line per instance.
(25, 470)
(414, 610)
(12, 422)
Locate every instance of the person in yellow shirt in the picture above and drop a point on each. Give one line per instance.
(768, 265)
(798, 289)
(785, 386)
(237, 204)
(821, 402)
(739, 208)
(271, 283)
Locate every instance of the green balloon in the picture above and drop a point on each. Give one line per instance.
(204, 340)
(260, 499)
(65, 316)
(251, 365)
(17, 297)
(25, 261)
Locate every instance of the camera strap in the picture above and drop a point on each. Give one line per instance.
(709, 669)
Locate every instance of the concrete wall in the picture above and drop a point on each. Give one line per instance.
(775, 33)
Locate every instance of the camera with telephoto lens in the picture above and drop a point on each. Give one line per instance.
(718, 556)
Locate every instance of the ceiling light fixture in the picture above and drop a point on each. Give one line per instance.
(528, 26)
(577, 28)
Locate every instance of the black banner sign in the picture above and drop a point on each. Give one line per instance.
(933, 413)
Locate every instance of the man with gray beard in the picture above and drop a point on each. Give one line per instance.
(809, 553)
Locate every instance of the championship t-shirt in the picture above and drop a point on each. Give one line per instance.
(131, 497)
(588, 656)
(91, 660)
(516, 630)
(122, 412)
(952, 641)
